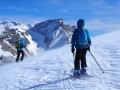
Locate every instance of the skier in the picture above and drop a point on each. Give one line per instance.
(19, 46)
(81, 41)
(1, 57)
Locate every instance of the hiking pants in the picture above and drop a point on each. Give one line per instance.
(18, 54)
(80, 56)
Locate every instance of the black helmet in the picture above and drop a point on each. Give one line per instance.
(80, 23)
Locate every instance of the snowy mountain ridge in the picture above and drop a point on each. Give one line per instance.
(42, 36)
(53, 33)
(45, 35)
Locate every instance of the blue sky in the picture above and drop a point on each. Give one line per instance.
(100, 15)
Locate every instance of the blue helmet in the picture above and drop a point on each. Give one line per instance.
(80, 23)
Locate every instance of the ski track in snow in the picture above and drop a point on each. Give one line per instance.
(50, 71)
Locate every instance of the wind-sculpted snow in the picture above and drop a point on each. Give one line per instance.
(50, 70)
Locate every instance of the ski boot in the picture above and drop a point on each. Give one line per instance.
(83, 70)
(76, 73)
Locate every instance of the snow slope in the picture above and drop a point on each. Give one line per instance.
(49, 70)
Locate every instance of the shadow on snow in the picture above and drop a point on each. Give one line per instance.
(47, 83)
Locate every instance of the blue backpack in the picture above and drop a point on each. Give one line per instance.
(82, 37)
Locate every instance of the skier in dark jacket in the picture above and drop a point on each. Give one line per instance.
(81, 41)
(1, 57)
(20, 50)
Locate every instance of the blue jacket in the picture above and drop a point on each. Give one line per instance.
(79, 33)
(22, 44)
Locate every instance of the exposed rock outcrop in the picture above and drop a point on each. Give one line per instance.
(54, 31)
(11, 34)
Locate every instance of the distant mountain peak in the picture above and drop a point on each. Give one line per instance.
(12, 22)
(53, 33)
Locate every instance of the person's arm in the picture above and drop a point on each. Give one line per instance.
(89, 40)
(88, 37)
(73, 40)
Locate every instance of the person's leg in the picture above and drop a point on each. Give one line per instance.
(85, 63)
(77, 63)
(77, 59)
(18, 55)
(22, 52)
(83, 59)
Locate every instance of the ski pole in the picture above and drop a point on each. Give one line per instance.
(96, 61)
(73, 56)
(74, 67)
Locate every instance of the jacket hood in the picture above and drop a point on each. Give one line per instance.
(80, 23)
(22, 41)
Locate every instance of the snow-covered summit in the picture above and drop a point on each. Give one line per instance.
(51, 33)
(13, 25)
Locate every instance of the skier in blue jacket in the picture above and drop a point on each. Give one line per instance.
(20, 50)
(81, 41)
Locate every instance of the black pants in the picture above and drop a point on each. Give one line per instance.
(80, 56)
(18, 54)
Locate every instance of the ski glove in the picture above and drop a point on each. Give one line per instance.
(72, 49)
(88, 48)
